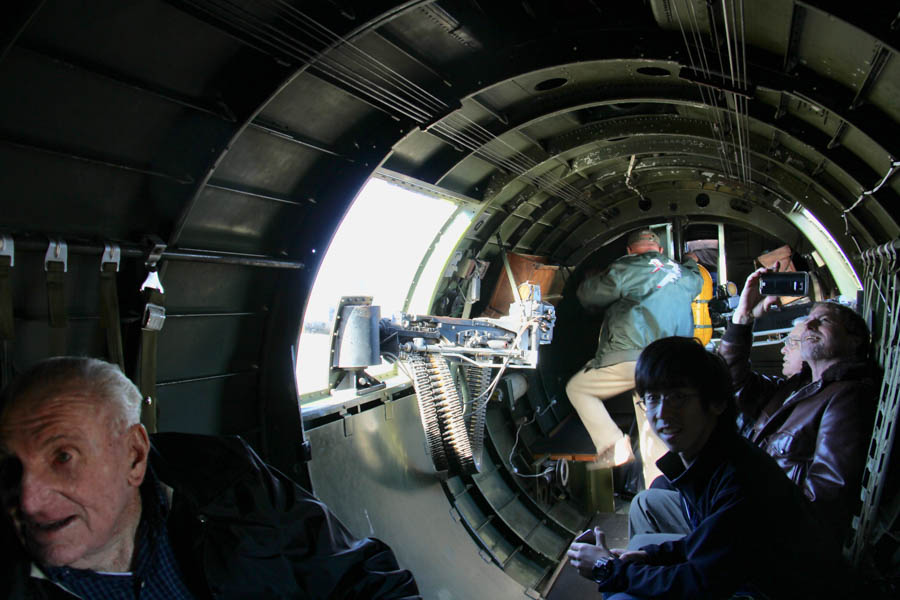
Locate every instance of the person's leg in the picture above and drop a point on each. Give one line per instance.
(657, 511)
(587, 390)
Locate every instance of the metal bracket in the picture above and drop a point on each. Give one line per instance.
(304, 453)
(348, 422)
(154, 317)
(112, 253)
(152, 282)
(57, 251)
(7, 248)
(154, 254)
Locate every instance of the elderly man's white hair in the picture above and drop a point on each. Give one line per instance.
(62, 373)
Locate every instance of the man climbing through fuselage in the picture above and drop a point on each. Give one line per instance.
(646, 296)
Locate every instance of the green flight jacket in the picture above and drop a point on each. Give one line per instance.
(646, 297)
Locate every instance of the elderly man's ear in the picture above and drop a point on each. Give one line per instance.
(138, 453)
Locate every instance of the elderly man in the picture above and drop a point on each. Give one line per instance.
(792, 359)
(751, 530)
(792, 364)
(816, 424)
(646, 296)
(99, 510)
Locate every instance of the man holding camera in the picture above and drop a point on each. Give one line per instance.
(816, 424)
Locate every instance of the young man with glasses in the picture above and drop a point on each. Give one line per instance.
(751, 530)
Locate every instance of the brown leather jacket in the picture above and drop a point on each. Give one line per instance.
(818, 432)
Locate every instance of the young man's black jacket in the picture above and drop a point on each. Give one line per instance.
(240, 529)
(752, 531)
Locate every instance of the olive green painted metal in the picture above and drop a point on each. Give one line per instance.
(380, 482)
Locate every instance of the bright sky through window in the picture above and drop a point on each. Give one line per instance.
(376, 252)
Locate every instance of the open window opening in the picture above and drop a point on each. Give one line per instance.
(393, 246)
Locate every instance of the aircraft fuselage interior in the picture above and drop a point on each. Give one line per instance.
(177, 174)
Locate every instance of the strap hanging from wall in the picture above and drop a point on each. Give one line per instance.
(109, 304)
(56, 265)
(7, 320)
(7, 261)
(151, 324)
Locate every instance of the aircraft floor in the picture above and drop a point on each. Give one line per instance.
(569, 584)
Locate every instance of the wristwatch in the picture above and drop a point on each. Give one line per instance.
(603, 569)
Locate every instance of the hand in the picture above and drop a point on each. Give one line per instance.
(587, 549)
(752, 304)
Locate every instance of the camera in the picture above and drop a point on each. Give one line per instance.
(784, 284)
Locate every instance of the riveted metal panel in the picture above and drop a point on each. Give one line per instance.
(380, 482)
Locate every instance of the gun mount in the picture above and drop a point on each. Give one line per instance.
(455, 364)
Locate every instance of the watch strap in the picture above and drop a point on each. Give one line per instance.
(602, 570)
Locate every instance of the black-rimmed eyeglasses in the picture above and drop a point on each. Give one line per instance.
(651, 402)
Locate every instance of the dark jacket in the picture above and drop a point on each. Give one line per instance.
(647, 297)
(817, 432)
(240, 529)
(752, 530)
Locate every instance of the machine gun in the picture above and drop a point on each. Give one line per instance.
(452, 409)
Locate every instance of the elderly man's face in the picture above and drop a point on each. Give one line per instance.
(793, 358)
(824, 336)
(81, 471)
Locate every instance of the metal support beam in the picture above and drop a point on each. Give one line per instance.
(882, 54)
(719, 83)
(84, 156)
(17, 16)
(217, 109)
(247, 192)
(795, 32)
(136, 251)
(207, 378)
(490, 110)
(835, 140)
(292, 136)
(209, 315)
(403, 49)
(783, 100)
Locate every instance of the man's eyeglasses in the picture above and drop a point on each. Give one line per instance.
(791, 342)
(652, 402)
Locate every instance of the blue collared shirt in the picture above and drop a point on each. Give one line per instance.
(155, 574)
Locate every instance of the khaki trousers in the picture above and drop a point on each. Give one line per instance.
(589, 389)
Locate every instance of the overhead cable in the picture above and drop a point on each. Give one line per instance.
(284, 30)
(895, 165)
